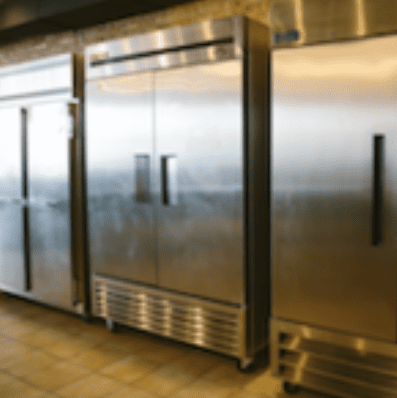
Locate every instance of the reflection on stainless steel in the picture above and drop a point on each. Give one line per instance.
(187, 125)
(11, 211)
(322, 179)
(119, 129)
(37, 77)
(334, 264)
(203, 235)
(330, 20)
(165, 49)
(35, 171)
(48, 168)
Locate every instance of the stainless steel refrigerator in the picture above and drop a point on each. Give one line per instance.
(178, 199)
(41, 182)
(334, 202)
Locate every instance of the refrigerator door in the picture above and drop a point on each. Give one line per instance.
(48, 164)
(334, 186)
(119, 128)
(199, 157)
(12, 271)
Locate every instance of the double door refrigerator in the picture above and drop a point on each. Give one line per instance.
(177, 174)
(334, 201)
(41, 182)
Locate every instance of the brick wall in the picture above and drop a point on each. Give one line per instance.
(73, 41)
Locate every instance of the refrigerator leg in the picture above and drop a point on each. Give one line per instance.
(245, 364)
(111, 325)
(290, 388)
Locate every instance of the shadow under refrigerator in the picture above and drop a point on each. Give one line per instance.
(41, 182)
(177, 157)
(334, 209)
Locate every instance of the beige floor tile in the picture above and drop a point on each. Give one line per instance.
(6, 378)
(71, 325)
(18, 389)
(133, 392)
(10, 349)
(198, 363)
(132, 343)
(57, 376)
(99, 356)
(229, 374)
(166, 380)
(130, 369)
(247, 394)
(44, 337)
(205, 389)
(265, 383)
(34, 361)
(162, 352)
(9, 360)
(95, 334)
(93, 386)
(7, 319)
(68, 348)
(18, 329)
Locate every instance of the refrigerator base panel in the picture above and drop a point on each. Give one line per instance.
(332, 362)
(214, 326)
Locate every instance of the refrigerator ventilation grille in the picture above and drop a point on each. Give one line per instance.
(194, 321)
(335, 369)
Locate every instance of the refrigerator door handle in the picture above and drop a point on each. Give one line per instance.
(169, 180)
(377, 189)
(25, 193)
(142, 178)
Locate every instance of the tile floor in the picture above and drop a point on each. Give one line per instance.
(46, 353)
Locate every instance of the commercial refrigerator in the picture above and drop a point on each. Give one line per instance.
(41, 182)
(177, 174)
(334, 202)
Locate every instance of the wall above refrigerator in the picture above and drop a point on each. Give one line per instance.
(26, 18)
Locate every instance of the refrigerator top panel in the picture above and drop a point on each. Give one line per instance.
(207, 41)
(55, 76)
(301, 22)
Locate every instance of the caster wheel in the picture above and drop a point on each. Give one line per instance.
(290, 388)
(111, 325)
(245, 365)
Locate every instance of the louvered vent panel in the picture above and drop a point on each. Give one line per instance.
(194, 321)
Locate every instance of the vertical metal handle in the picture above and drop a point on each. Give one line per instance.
(169, 180)
(142, 178)
(377, 190)
(76, 239)
(25, 195)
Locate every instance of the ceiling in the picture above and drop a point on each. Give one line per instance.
(26, 18)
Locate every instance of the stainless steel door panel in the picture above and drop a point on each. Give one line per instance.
(49, 128)
(199, 144)
(119, 128)
(328, 103)
(11, 212)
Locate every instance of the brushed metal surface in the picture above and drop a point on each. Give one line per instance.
(201, 236)
(52, 74)
(119, 131)
(331, 20)
(177, 316)
(333, 362)
(328, 103)
(144, 50)
(49, 131)
(11, 211)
